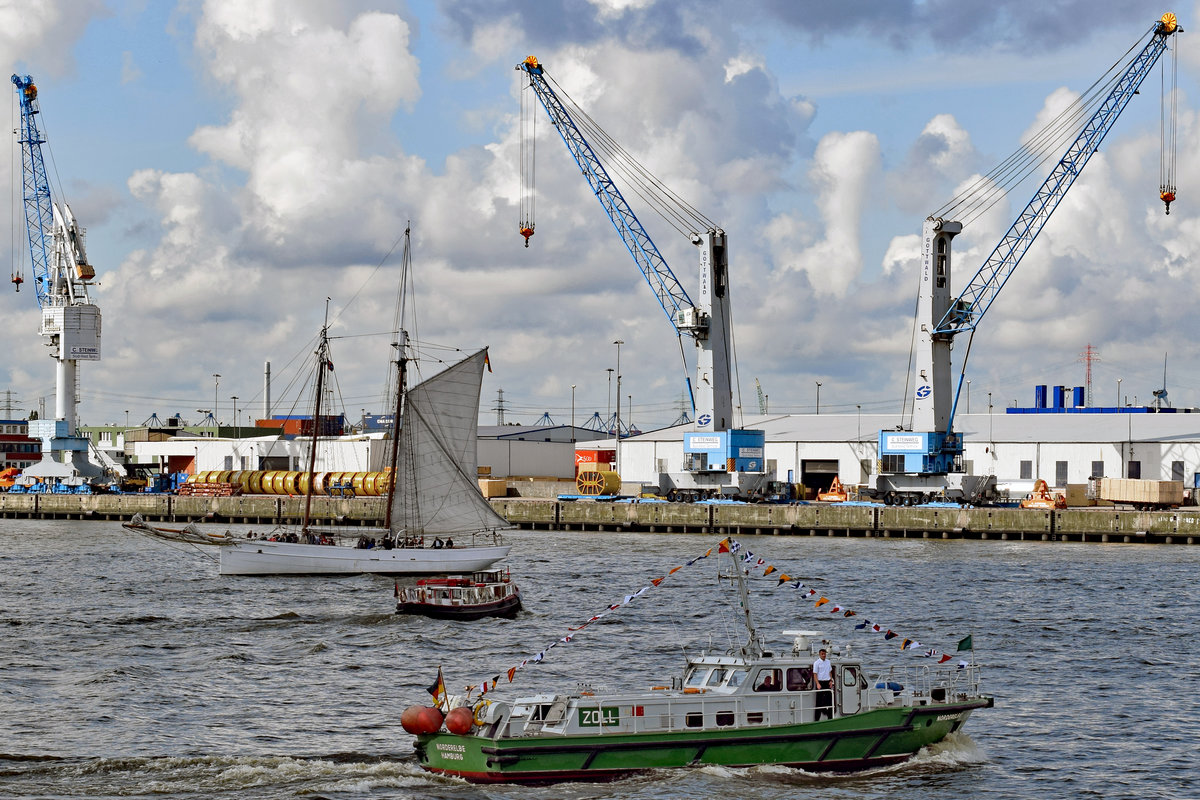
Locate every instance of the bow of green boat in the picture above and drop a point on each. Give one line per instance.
(741, 708)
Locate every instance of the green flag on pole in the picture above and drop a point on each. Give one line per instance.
(965, 644)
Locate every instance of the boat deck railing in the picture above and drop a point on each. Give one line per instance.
(938, 684)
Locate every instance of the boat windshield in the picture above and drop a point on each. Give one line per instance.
(717, 677)
(695, 676)
(736, 678)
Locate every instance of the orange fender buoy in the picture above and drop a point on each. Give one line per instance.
(460, 720)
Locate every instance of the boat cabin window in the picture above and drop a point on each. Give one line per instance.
(736, 678)
(799, 679)
(717, 677)
(695, 677)
(694, 719)
(724, 719)
(768, 681)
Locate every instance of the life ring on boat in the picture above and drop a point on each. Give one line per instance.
(480, 710)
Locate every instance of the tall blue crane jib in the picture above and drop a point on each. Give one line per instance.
(934, 406)
(39, 210)
(666, 287)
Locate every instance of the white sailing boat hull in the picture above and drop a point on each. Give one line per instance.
(262, 557)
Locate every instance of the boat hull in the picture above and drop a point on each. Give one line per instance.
(506, 607)
(846, 744)
(263, 557)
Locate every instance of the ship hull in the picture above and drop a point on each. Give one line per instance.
(263, 557)
(846, 744)
(507, 607)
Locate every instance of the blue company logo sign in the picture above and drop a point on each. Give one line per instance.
(704, 419)
(924, 391)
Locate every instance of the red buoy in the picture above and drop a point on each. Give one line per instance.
(419, 720)
(460, 720)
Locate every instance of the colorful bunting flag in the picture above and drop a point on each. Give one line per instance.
(726, 545)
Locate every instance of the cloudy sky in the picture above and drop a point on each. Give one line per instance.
(236, 163)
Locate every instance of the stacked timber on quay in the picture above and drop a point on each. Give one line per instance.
(1177, 526)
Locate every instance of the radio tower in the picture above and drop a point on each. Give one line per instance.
(1089, 356)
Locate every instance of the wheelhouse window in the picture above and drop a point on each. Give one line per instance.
(799, 679)
(736, 678)
(768, 681)
(717, 677)
(695, 677)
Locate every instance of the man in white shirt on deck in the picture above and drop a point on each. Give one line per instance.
(823, 675)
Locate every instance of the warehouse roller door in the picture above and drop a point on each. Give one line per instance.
(818, 475)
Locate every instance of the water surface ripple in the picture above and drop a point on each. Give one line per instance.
(132, 669)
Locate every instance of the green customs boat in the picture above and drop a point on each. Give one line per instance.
(738, 708)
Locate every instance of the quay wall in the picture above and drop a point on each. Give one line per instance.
(1099, 525)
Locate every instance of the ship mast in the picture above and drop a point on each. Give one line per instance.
(322, 365)
(753, 647)
(397, 414)
(401, 345)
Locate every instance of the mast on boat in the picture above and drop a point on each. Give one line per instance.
(322, 365)
(753, 647)
(401, 345)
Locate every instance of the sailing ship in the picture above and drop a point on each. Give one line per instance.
(433, 495)
(742, 707)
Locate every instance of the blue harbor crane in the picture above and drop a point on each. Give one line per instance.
(61, 276)
(926, 460)
(707, 322)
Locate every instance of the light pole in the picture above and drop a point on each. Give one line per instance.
(630, 417)
(989, 402)
(617, 441)
(572, 413)
(968, 395)
(608, 410)
(618, 343)
(127, 418)
(1119, 392)
(234, 398)
(818, 383)
(216, 385)
(859, 407)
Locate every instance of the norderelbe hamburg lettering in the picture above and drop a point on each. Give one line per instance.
(454, 752)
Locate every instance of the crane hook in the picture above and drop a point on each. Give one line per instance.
(1168, 197)
(527, 231)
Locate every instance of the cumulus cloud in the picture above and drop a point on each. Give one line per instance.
(843, 172)
(42, 35)
(305, 170)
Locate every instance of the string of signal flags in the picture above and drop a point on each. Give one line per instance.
(753, 564)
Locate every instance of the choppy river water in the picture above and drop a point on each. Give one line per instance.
(130, 668)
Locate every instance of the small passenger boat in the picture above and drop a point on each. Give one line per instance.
(742, 707)
(486, 593)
